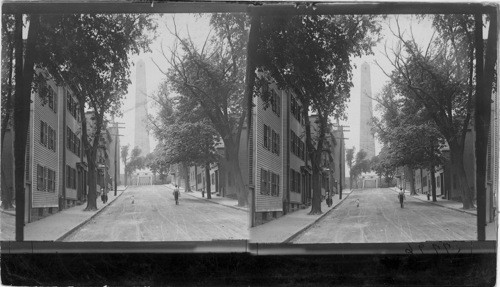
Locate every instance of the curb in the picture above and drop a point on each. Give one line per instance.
(435, 203)
(206, 199)
(451, 208)
(296, 234)
(61, 238)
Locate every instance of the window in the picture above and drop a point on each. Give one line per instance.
(51, 180)
(275, 102)
(275, 184)
(424, 181)
(52, 139)
(43, 133)
(52, 99)
(40, 175)
(292, 180)
(263, 182)
(72, 106)
(70, 177)
(77, 150)
(72, 142)
(213, 178)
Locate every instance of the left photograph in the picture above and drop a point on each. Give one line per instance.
(124, 127)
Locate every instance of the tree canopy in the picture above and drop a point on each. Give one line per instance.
(310, 56)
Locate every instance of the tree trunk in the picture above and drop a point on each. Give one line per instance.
(185, 169)
(24, 78)
(237, 178)
(433, 182)
(92, 182)
(461, 176)
(411, 176)
(315, 162)
(316, 198)
(207, 175)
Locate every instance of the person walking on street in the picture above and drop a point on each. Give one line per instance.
(357, 202)
(176, 195)
(401, 197)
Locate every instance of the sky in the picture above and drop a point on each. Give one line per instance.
(199, 28)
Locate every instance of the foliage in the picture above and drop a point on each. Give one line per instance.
(383, 165)
(361, 165)
(211, 79)
(136, 161)
(438, 79)
(90, 55)
(310, 55)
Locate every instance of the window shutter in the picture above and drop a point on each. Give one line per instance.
(278, 105)
(39, 177)
(292, 175)
(268, 182)
(41, 132)
(262, 180)
(265, 136)
(269, 138)
(277, 184)
(55, 102)
(278, 144)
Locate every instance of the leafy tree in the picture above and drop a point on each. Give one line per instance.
(136, 161)
(350, 161)
(361, 165)
(8, 86)
(383, 165)
(156, 164)
(440, 78)
(97, 74)
(125, 158)
(411, 138)
(186, 136)
(212, 77)
(310, 55)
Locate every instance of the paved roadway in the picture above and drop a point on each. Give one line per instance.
(154, 217)
(379, 218)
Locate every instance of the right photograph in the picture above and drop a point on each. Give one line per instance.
(373, 128)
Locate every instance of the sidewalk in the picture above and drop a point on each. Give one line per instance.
(57, 226)
(285, 228)
(450, 204)
(491, 227)
(229, 202)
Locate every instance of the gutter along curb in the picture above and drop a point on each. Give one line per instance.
(66, 234)
(302, 230)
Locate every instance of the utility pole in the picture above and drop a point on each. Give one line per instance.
(116, 151)
(342, 156)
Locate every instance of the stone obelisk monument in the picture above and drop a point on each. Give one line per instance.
(366, 139)
(141, 112)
